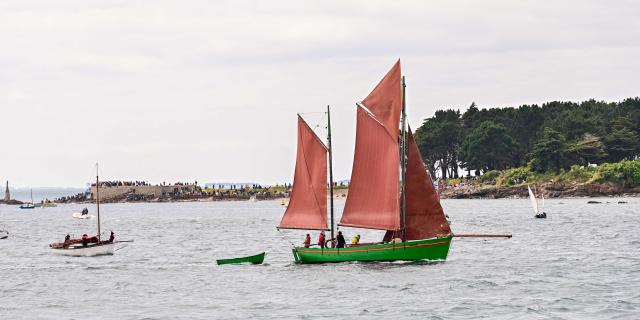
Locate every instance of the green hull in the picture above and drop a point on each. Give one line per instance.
(427, 249)
(257, 259)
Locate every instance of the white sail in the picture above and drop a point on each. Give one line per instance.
(542, 207)
(534, 202)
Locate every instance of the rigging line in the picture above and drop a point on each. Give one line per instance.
(312, 112)
(285, 238)
(322, 121)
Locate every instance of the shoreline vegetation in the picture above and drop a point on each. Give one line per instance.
(608, 179)
(548, 140)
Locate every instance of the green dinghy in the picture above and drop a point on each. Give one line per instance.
(256, 259)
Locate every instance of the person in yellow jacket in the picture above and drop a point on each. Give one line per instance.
(355, 240)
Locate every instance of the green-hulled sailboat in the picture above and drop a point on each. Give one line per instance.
(390, 188)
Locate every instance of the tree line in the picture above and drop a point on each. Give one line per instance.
(547, 138)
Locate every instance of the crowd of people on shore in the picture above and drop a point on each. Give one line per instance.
(121, 184)
(118, 183)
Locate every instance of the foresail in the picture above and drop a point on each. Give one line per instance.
(424, 215)
(373, 201)
(308, 203)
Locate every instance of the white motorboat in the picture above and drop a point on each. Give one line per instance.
(79, 215)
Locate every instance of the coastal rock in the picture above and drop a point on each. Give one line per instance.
(550, 190)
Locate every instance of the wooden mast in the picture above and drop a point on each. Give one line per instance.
(330, 168)
(403, 165)
(98, 199)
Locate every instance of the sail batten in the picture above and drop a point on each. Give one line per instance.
(307, 208)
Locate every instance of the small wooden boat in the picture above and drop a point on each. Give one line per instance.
(87, 246)
(539, 213)
(256, 259)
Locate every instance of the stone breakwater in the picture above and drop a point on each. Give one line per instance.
(550, 190)
(168, 193)
(145, 192)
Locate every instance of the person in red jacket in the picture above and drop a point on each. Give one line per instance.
(85, 240)
(321, 240)
(307, 241)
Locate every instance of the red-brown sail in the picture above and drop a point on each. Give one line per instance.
(385, 101)
(308, 204)
(373, 200)
(425, 217)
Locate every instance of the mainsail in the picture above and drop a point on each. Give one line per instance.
(308, 204)
(373, 201)
(534, 201)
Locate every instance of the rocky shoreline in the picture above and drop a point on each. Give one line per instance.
(549, 189)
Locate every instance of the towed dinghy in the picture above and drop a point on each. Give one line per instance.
(255, 259)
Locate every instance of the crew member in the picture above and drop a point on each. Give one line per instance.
(321, 239)
(355, 240)
(307, 241)
(340, 239)
(85, 240)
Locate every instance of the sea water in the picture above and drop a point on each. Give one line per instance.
(582, 262)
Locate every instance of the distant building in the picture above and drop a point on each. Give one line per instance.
(7, 195)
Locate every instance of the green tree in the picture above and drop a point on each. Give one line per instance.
(622, 143)
(439, 141)
(488, 147)
(587, 150)
(549, 152)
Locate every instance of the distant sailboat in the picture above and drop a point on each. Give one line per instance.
(87, 246)
(28, 205)
(3, 232)
(390, 188)
(540, 214)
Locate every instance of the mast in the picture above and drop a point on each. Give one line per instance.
(330, 167)
(403, 165)
(98, 199)
(31, 195)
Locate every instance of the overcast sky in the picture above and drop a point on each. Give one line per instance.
(209, 90)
